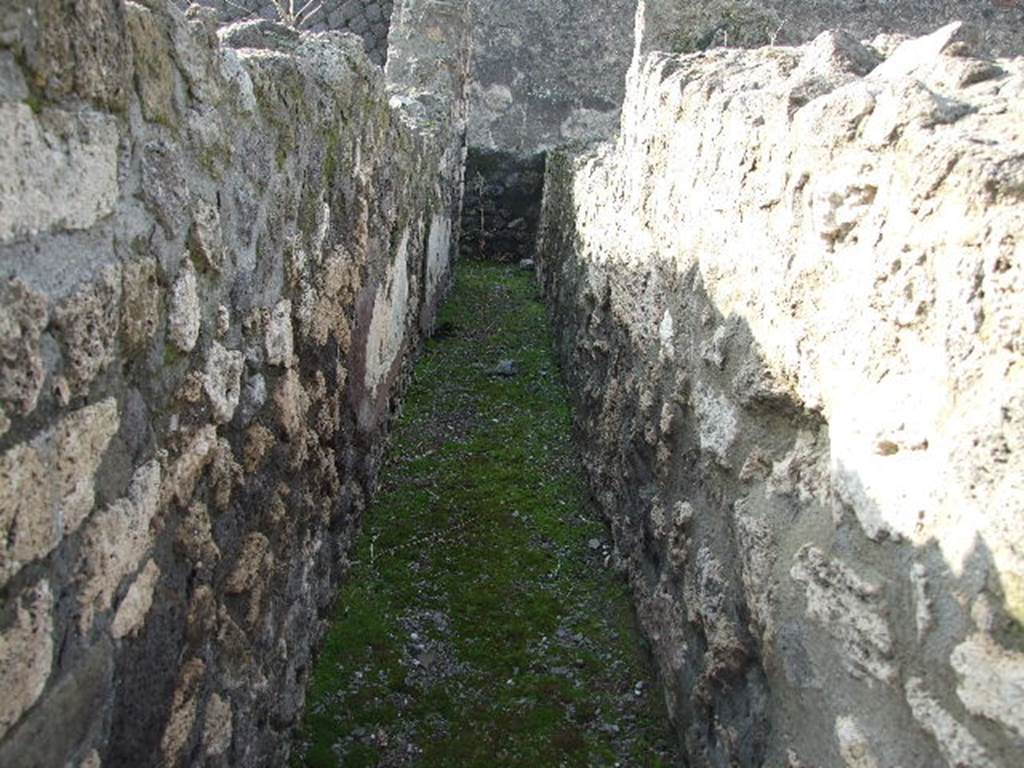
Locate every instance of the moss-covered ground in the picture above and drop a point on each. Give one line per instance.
(479, 625)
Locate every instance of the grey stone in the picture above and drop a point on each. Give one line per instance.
(358, 24)
(217, 727)
(505, 369)
(58, 170)
(178, 730)
(140, 303)
(115, 542)
(184, 318)
(350, 9)
(88, 322)
(131, 613)
(279, 339)
(23, 316)
(47, 485)
(991, 680)
(65, 716)
(222, 381)
(26, 654)
(206, 241)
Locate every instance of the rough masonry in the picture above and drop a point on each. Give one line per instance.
(790, 300)
(367, 19)
(682, 26)
(219, 250)
(543, 74)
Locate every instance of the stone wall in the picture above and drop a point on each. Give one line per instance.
(790, 303)
(546, 73)
(218, 258)
(369, 19)
(543, 74)
(689, 25)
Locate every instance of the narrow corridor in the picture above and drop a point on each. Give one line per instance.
(481, 623)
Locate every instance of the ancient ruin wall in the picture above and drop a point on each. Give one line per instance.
(790, 302)
(368, 19)
(543, 74)
(218, 257)
(691, 25)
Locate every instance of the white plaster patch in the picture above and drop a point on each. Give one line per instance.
(438, 249)
(387, 326)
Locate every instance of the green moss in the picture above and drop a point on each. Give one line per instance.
(481, 521)
(34, 103)
(728, 23)
(171, 355)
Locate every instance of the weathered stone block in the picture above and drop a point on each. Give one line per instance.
(991, 680)
(115, 543)
(178, 731)
(247, 571)
(23, 316)
(955, 741)
(26, 653)
(80, 49)
(58, 170)
(217, 726)
(184, 320)
(155, 74)
(195, 537)
(184, 473)
(87, 323)
(47, 485)
(851, 610)
(223, 381)
(65, 717)
(131, 613)
(206, 240)
(141, 302)
(279, 339)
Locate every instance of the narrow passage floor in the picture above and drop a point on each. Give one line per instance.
(479, 625)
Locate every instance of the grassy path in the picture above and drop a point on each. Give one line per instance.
(479, 626)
